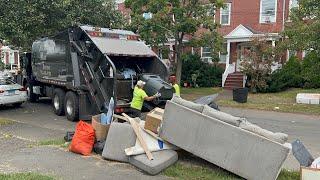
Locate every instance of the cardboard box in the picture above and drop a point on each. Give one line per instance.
(309, 173)
(154, 119)
(100, 130)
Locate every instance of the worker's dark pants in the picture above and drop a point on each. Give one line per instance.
(135, 113)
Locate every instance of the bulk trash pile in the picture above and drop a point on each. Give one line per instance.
(227, 141)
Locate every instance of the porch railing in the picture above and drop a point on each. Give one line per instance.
(230, 68)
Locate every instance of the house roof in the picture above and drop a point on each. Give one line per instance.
(244, 32)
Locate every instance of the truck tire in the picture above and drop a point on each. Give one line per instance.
(71, 106)
(58, 101)
(31, 96)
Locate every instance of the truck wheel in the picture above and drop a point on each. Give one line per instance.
(31, 96)
(72, 106)
(58, 101)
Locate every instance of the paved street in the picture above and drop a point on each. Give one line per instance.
(37, 122)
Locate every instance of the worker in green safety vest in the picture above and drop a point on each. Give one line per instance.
(174, 84)
(139, 96)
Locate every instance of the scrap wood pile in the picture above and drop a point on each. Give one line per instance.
(227, 141)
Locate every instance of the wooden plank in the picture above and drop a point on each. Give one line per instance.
(121, 117)
(137, 129)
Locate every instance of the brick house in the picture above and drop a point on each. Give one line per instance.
(9, 57)
(240, 21)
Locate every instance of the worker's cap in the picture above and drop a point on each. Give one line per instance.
(141, 83)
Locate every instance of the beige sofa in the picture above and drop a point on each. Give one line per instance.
(242, 152)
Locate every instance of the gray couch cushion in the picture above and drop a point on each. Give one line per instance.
(221, 116)
(120, 137)
(277, 137)
(162, 160)
(188, 104)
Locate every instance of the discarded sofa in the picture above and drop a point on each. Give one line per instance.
(120, 137)
(162, 160)
(240, 151)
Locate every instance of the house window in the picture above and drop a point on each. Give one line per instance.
(206, 54)
(293, 4)
(223, 54)
(225, 14)
(147, 15)
(291, 53)
(268, 11)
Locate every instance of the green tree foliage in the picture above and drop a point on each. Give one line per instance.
(311, 70)
(287, 77)
(175, 19)
(199, 73)
(304, 30)
(296, 73)
(23, 21)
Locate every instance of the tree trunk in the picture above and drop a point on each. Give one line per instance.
(179, 66)
(179, 45)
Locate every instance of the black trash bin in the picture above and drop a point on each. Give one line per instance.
(240, 95)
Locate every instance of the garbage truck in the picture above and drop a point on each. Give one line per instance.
(83, 67)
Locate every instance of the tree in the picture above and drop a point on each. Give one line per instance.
(304, 31)
(175, 19)
(257, 63)
(21, 22)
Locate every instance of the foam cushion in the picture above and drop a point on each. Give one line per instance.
(162, 160)
(222, 116)
(277, 137)
(188, 104)
(120, 137)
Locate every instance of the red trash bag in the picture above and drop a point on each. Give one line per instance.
(83, 139)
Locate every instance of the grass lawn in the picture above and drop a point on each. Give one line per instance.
(282, 101)
(188, 171)
(195, 93)
(24, 176)
(53, 142)
(5, 121)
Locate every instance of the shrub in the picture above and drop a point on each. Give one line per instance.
(257, 62)
(311, 70)
(200, 73)
(287, 77)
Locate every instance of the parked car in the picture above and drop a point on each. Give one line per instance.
(11, 93)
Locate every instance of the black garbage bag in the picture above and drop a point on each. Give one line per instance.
(68, 137)
(98, 147)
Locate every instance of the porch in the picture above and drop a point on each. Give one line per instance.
(238, 42)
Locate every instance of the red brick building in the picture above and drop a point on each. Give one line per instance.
(241, 21)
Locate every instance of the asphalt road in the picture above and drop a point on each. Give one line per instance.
(37, 122)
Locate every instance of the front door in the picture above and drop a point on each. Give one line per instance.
(242, 54)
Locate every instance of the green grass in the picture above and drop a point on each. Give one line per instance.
(283, 101)
(4, 121)
(52, 142)
(25, 176)
(286, 175)
(195, 93)
(188, 171)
